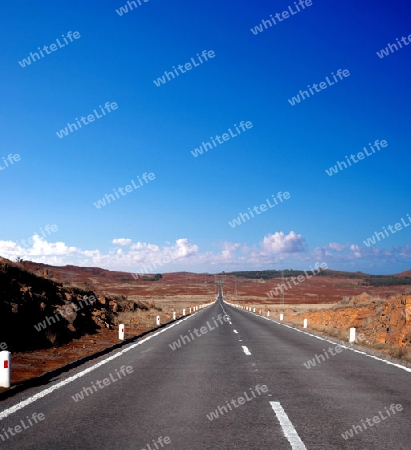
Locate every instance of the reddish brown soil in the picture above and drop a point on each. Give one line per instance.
(188, 286)
(173, 292)
(28, 365)
(318, 289)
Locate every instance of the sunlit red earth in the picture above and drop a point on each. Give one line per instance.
(173, 292)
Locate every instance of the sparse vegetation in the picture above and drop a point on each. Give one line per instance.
(366, 279)
(156, 277)
(267, 274)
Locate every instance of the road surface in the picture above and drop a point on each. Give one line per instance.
(240, 382)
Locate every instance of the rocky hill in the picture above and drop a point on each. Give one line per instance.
(37, 312)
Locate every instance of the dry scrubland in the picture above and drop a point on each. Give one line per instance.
(31, 291)
(72, 328)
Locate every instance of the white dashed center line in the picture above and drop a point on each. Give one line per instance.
(246, 351)
(288, 428)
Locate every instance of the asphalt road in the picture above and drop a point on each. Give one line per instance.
(253, 364)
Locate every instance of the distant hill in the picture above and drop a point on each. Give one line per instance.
(60, 314)
(406, 274)
(371, 280)
(329, 286)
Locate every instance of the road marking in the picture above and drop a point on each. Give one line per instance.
(7, 412)
(407, 369)
(288, 428)
(246, 351)
(235, 331)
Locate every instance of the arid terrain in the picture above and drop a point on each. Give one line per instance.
(327, 287)
(30, 292)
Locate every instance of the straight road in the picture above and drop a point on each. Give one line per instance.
(238, 383)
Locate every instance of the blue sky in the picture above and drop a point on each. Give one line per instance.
(185, 211)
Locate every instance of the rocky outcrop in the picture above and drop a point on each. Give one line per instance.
(36, 312)
(384, 324)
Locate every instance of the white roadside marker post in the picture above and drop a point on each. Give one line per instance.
(281, 316)
(121, 332)
(305, 323)
(158, 320)
(5, 368)
(174, 316)
(352, 335)
(184, 312)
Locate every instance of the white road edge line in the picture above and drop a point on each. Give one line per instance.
(7, 412)
(246, 351)
(288, 428)
(407, 369)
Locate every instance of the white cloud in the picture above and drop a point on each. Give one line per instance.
(10, 248)
(184, 248)
(284, 243)
(337, 247)
(39, 247)
(273, 251)
(404, 251)
(356, 250)
(145, 247)
(42, 247)
(122, 241)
